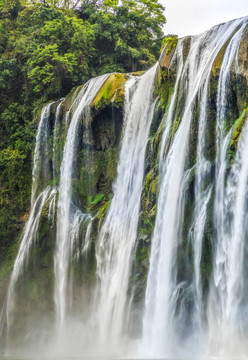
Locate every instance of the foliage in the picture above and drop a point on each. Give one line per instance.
(47, 69)
(170, 42)
(48, 47)
(238, 125)
(98, 198)
(128, 36)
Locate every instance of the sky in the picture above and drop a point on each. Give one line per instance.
(192, 17)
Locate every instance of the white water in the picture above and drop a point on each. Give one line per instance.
(41, 152)
(237, 199)
(68, 217)
(117, 238)
(55, 139)
(178, 56)
(203, 187)
(30, 232)
(161, 328)
(227, 287)
(28, 240)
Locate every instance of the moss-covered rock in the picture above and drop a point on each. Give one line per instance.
(168, 48)
(238, 125)
(112, 91)
(218, 60)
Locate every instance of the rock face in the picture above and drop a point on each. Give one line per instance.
(95, 168)
(112, 92)
(243, 55)
(167, 52)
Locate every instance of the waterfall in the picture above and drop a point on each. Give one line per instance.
(41, 152)
(203, 186)
(69, 217)
(30, 232)
(118, 234)
(161, 320)
(41, 174)
(169, 117)
(28, 239)
(136, 240)
(230, 208)
(55, 139)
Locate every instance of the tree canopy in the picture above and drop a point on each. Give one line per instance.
(128, 36)
(60, 43)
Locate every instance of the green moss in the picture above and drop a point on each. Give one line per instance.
(103, 210)
(154, 186)
(170, 42)
(186, 47)
(239, 123)
(148, 181)
(152, 214)
(98, 198)
(176, 126)
(138, 73)
(112, 91)
(164, 87)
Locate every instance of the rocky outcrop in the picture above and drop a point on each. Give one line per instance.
(112, 92)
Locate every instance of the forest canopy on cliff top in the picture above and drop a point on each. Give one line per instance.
(46, 49)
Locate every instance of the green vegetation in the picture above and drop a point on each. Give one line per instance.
(112, 91)
(170, 42)
(238, 125)
(128, 36)
(48, 48)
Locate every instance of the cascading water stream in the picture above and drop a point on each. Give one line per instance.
(178, 56)
(41, 152)
(235, 241)
(236, 192)
(55, 138)
(29, 237)
(67, 214)
(160, 326)
(118, 234)
(203, 186)
(226, 291)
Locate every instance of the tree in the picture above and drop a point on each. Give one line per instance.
(48, 68)
(128, 36)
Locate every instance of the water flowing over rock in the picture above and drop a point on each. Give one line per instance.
(118, 234)
(136, 240)
(162, 321)
(69, 218)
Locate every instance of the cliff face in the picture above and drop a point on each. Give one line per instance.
(99, 136)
